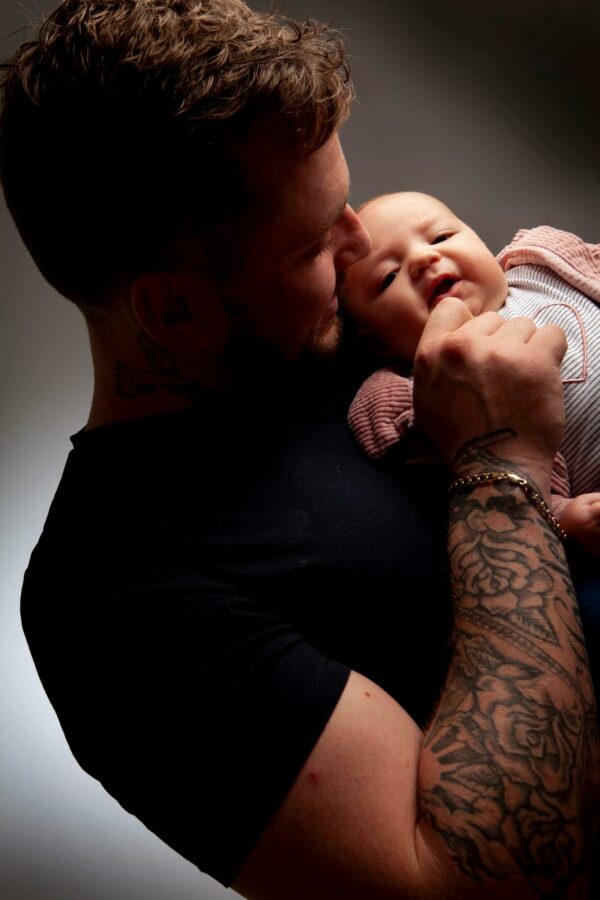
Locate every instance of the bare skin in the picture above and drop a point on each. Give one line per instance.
(502, 771)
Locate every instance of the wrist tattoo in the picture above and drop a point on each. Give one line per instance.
(477, 449)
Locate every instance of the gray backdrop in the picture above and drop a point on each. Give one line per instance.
(491, 107)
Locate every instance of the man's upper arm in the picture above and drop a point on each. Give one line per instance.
(348, 826)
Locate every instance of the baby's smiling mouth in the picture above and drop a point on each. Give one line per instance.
(441, 288)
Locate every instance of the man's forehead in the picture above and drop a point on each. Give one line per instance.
(307, 197)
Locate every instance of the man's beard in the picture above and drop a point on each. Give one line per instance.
(325, 341)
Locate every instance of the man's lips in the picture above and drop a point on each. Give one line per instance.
(442, 287)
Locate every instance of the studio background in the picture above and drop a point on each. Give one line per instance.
(493, 109)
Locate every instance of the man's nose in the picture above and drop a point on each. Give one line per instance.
(353, 242)
(421, 260)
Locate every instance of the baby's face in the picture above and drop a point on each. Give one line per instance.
(421, 253)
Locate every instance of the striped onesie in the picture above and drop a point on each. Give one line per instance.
(553, 277)
(540, 294)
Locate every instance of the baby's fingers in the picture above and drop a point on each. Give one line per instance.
(581, 521)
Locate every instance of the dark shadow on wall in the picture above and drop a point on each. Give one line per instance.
(492, 107)
(542, 55)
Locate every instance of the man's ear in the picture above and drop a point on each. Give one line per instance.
(180, 309)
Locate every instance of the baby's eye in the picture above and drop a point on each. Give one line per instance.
(387, 280)
(442, 237)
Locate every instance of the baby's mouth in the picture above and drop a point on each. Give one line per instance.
(441, 289)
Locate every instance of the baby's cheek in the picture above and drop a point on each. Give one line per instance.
(500, 287)
(479, 301)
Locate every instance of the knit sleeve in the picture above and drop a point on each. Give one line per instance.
(382, 412)
(560, 477)
(566, 254)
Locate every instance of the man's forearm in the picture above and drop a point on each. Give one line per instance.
(509, 766)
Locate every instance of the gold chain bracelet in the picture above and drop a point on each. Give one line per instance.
(467, 482)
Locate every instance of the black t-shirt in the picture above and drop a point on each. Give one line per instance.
(202, 588)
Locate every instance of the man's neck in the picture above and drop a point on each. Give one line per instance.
(134, 394)
(136, 377)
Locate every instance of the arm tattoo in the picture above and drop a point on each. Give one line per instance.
(477, 450)
(510, 763)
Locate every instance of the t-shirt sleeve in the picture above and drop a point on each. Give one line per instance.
(194, 705)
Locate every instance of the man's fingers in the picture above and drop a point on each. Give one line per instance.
(518, 329)
(553, 339)
(452, 314)
(485, 324)
(447, 316)
(521, 329)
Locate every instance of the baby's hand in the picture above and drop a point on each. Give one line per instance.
(581, 520)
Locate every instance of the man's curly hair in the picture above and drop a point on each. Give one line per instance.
(127, 118)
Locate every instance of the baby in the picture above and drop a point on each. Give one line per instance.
(423, 253)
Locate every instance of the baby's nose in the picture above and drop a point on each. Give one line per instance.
(422, 260)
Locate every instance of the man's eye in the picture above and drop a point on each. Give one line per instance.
(387, 281)
(315, 251)
(442, 237)
(324, 244)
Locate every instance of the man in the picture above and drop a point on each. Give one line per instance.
(243, 626)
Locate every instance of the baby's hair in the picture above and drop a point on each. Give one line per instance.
(377, 197)
(371, 200)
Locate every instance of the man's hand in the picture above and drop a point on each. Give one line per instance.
(491, 381)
